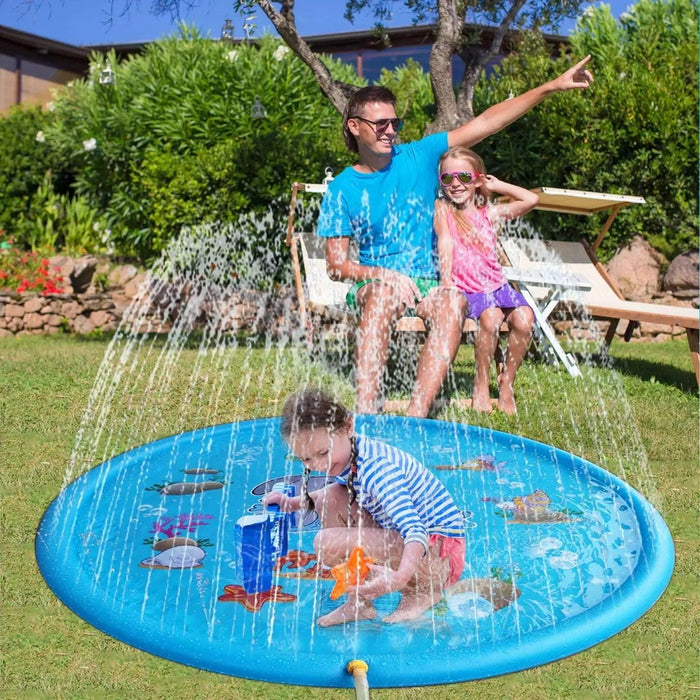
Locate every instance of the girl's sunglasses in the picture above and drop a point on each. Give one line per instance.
(464, 176)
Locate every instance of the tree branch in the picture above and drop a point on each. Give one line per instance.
(335, 90)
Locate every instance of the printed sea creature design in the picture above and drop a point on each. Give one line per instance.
(534, 508)
(294, 559)
(201, 470)
(185, 488)
(483, 463)
(353, 572)
(252, 602)
(480, 597)
(176, 557)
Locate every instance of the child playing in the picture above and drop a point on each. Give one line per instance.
(464, 222)
(382, 500)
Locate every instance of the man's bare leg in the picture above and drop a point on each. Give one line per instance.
(443, 311)
(380, 308)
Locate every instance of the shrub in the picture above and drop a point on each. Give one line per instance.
(26, 160)
(633, 132)
(176, 141)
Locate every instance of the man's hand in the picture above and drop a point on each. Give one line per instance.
(577, 77)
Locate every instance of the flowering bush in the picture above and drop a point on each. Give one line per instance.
(26, 271)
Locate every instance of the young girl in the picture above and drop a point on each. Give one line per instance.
(382, 500)
(464, 222)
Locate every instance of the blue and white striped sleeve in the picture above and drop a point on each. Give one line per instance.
(388, 487)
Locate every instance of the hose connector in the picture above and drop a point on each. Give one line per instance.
(358, 670)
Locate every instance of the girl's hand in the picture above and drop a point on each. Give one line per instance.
(285, 503)
(491, 184)
(384, 580)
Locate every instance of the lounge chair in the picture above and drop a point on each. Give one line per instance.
(603, 300)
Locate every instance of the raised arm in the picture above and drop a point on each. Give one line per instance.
(521, 201)
(499, 116)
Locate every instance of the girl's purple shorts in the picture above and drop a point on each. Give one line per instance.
(504, 297)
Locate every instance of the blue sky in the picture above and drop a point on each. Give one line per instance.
(86, 22)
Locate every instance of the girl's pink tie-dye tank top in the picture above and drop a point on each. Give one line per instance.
(475, 266)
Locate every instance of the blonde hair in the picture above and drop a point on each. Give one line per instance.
(464, 225)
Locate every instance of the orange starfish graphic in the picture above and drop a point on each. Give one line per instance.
(351, 573)
(295, 559)
(252, 602)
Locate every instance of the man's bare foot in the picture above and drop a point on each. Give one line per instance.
(351, 611)
(412, 606)
(506, 397)
(482, 401)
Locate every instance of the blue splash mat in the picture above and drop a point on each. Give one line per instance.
(560, 556)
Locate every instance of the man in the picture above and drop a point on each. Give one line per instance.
(385, 202)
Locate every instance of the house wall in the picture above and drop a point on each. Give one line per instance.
(27, 82)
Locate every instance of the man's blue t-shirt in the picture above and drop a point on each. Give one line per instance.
(390, 212)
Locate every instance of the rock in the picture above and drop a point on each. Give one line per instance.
(126, 274)
(63, 265)
(71, 309)
(683, 274)
(34, 304)
(83, 270)
(100, 318)
(4, 333)
(14, 311)
(132, 287)
(635, 269)
(33, 321)
(83, 325)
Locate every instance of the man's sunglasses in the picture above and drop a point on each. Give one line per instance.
(464, 176)
(381, 125)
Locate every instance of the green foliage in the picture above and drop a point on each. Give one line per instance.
(633, 132)
(414, 97)
(175, 141)
(25, 160)
(59, 221)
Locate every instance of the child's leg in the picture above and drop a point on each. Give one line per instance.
(333, 546)
(520, 321)
(484, 348)
(425, 589)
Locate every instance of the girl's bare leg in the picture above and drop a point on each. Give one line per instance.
(425, 590)
(484, 349)
(521, 321)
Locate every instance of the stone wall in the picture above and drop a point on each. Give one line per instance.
(84, 308)
(273, 314)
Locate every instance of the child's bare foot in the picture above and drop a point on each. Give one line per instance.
(411, 607)
(506, 397)
(351, 611)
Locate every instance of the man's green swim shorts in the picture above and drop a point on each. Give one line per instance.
(424, 284)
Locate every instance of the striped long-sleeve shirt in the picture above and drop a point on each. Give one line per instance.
(401, 494)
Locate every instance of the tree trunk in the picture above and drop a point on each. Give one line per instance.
(447, 42)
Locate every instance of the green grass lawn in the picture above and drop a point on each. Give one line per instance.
(638, 420)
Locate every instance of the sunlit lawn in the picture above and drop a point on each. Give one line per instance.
(639, 421)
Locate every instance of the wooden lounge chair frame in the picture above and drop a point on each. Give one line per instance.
(604, 301)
